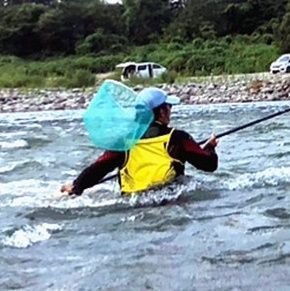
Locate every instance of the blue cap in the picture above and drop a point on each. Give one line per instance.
(153, 97)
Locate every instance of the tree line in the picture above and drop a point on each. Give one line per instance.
(44, 28)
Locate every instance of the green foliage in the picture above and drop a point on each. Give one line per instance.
(79, 78)
(209, 57)
(145, 20)
(66, 43)
(169, 77)
(250, 58)
(99, 41)
(173, 46)
(266, 38)
(284, 33)
(95, 64)
(11, 78)
(198, 42)
(64, 72)
(176, 62)
(17, 29)
(92, 26)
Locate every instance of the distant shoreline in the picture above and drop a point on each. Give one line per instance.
(203, 90)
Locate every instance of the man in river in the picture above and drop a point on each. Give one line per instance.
(157, 158)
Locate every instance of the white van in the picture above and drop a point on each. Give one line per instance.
(141, 70)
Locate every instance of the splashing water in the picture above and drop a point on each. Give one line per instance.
(267, 177)
(29, 235)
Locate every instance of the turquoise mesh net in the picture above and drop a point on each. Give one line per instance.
(113, 120)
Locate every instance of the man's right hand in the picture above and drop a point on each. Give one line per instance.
(68, 189)
(211, 142)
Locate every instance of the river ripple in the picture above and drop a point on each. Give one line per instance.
(227, 230)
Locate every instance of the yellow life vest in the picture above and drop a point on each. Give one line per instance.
(148, 165)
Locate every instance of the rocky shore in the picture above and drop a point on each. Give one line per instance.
(244, 88)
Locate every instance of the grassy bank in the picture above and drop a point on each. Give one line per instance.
(199, 58)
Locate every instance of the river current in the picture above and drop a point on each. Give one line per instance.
(228, 230)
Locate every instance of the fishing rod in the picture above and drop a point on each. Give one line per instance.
(223, 134)
(248, 124)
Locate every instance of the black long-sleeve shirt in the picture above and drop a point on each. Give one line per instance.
(181, 147)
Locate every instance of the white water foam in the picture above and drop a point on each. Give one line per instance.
(28, 118)
(15, 144)
(10, 166)
(40, 194)
(10, 135)
(37, 193)
(92, 199)
(132, 218)
(267, 177)
(166, 194)
(33, 126)
(29, 235)
(30, 192)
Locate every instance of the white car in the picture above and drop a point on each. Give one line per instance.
(141, 70)
(281, 65)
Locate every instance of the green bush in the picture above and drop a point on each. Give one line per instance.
(174, 46)
(169, 77)
(20, 80)
(99, 41)
(176, 63)
(78, 79)
(198, 43)
(198, 58)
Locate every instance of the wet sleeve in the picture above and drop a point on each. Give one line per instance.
(188, 150)
(91, 175)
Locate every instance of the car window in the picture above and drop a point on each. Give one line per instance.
(155, 66)
(142, 68)
(284, 59)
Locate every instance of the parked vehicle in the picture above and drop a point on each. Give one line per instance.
(281, 65)
(141, 70)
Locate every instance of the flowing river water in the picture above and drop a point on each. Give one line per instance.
(228, 230)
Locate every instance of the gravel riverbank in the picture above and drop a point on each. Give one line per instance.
(243, 88)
